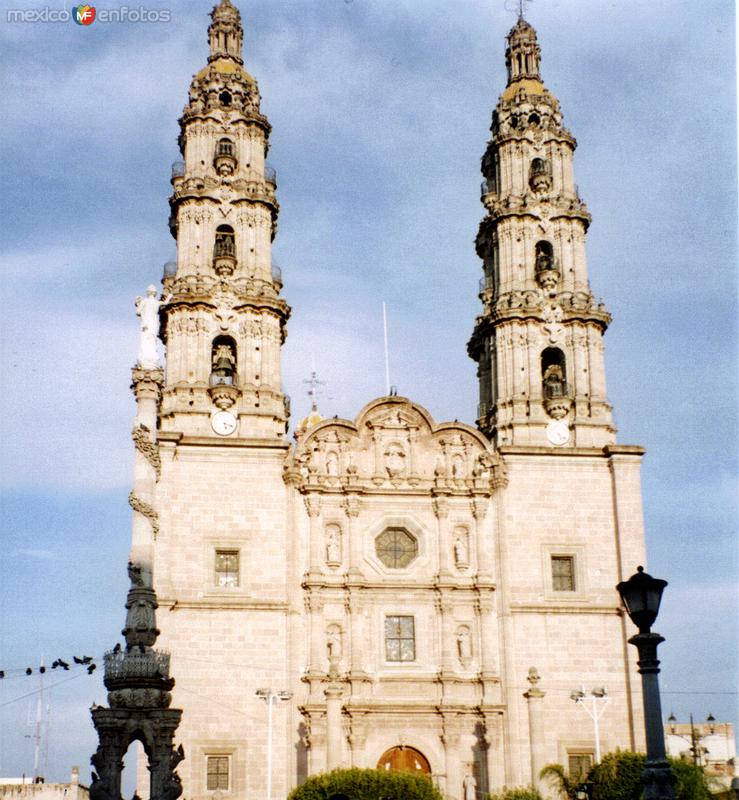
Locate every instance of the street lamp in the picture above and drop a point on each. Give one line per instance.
(271, 697)
(599, 695)
(641, 595)
(696, 750)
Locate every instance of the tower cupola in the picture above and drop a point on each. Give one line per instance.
(225, 32)
(522, 54)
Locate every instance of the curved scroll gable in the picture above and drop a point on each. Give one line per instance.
(395, 445)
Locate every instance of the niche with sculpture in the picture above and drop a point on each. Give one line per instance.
(333, 643)
(464, 645)
(547, 270)
(333, 545)
(540, 175)
(224, 160)
(461, 547)
(223, 375)
(557, 399)
(224, 251)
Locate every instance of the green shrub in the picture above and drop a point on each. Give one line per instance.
(618, 777)
(367, 784)
(517, 793)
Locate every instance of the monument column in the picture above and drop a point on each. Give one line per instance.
(535, 702)
(334, 694)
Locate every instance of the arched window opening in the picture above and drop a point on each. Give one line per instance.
(544, 255)
(540, 175)
(225, 241)
(223, 361)
(534, 120)
(225, 147)
(553, 373)
(224, 251)
(224, 160)
(225, 98)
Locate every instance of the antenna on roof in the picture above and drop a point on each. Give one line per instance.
(518, 7)
(387, 356)
(312, 392)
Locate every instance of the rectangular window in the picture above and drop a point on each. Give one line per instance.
(218, 768)
(227, 568)
(400, 639)
(578, 765)
(563, 573)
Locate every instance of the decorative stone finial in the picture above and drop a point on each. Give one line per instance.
(141, 630)
(533, 677)
(522, 54)
(225, 33)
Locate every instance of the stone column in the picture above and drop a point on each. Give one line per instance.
(535, 702)
(441, 509)
(333, 693)
(446, 608)
(484, 548)
(489, 667)
(314, 606)
(351, 508)
(147, 388)
(353, 608)
(313, 507)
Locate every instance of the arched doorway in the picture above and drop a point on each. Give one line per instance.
(404, 759)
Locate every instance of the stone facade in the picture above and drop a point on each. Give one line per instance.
(27, 789)
(397, 577)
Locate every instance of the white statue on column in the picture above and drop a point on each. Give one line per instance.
(470, 787)
(147, 308)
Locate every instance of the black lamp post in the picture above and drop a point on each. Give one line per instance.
(641, 595)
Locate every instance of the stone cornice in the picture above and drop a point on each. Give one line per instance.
(224, 603)
(577, 607)
(180, 440)
(465, 592)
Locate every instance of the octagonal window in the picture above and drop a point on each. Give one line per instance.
(396, 548)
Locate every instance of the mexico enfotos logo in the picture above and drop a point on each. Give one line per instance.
(85, 14)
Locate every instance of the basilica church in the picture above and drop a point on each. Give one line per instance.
(390, 590)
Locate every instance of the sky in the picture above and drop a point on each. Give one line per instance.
(381, 112)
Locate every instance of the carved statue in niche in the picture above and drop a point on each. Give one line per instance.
(461, 554)
(457, 467)
(333, 545)
(395, 460)
(333, 643)
(554, 382)
(469, 784)
(464, 644)
(332, 463)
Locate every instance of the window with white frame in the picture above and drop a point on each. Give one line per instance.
(218, 773)
(227, 568)
(400, 639)
(579, 764)
(563, 573)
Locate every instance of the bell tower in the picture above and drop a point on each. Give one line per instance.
(539, 340)
(223, 319)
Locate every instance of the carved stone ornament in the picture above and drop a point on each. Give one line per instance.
(149, 450)
(137, 504)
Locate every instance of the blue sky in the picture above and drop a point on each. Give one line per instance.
(380, 112)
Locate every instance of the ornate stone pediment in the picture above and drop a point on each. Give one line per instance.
(395, 445)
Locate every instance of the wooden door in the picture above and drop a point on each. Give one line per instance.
(404, 759)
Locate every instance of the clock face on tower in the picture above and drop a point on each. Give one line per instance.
(558, 433)
(223, 423)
